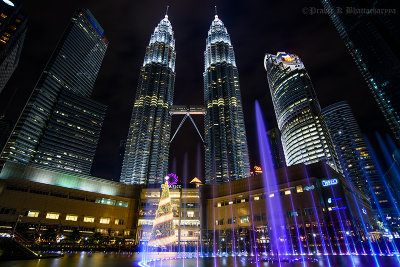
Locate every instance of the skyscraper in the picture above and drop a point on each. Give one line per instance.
(226, 153)
(5, 128)
(147, 145)
(13, 25)
(60, 125)
(354, 157)
(305, 137)
(275, 144)
(373, 41)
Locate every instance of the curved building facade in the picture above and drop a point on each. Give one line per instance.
(226, 153)
(147, 145)
(305, 137)
(351, 148)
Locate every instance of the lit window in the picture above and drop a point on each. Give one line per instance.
(119, 221)
(122, 203)
(287, 192)
(299, 189)
(104, 220)
(190, 214)
(33, 214)
(88, 219)
(102, 231)
(256, 198)
(244, 219)
(105, 201)
(219, 222)
(71, 217)
(219, 204)
(52, 215)
(271, 195)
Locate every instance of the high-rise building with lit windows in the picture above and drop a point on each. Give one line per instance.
(226, 152)
(147, 145)
(354, 157)
(373, 41)
(13, 25)
(305, 137)
(60, 125)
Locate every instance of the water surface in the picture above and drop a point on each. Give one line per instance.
(82, 259)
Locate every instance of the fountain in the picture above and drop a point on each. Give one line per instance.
(328, 231)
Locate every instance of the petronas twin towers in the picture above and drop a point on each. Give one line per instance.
(147, 146)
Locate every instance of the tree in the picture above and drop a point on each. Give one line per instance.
(162, 233)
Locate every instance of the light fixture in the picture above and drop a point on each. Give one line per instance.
(8, 2)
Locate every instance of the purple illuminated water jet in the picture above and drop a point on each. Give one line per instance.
(276, 220)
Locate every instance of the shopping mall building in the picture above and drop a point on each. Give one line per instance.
(316, 201)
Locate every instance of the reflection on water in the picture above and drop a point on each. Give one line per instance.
(82, 259)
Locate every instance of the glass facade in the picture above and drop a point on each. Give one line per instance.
(147, 145)
(353, 153)
(60, 125)
(305, 137)
(13, 25)
(350, 145)
(70, 138)
(226, 152)
(373, 42)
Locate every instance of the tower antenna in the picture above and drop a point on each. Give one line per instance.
(216, 10)
(166, 12)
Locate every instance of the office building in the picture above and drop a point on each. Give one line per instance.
(226, 152)
(355, 159)
(147, 145)
(13, 25)
(305, 137)
(60, 125)
(373, 41)
(208, 217)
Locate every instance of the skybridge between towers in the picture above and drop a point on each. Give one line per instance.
(187, 111)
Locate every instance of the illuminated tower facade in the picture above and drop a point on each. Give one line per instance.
(373, 41)
(305, 137)
(13, 25)
(147, 145)
(354, 157)
(60, 125)
(226, 153)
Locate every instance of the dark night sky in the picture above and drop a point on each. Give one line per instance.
(256, 27)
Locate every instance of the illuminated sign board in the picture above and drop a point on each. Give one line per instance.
(329, 182)
(172, 179)
(175, 186)
(257, 169)
(364, 210)
(339, 208)
(308, 188)
(287, 58)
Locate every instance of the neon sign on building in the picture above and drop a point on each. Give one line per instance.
(329, 182)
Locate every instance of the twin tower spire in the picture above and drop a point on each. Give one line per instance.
(147, 146)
